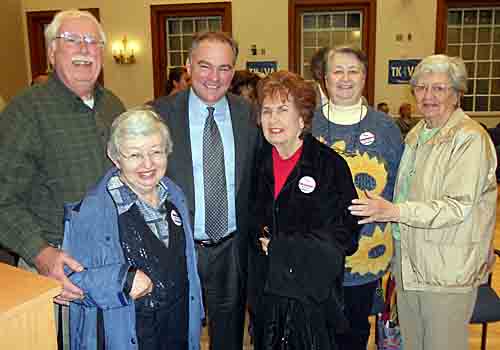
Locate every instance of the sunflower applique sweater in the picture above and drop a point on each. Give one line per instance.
(372, 147)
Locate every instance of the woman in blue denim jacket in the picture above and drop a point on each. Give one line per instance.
(133, 236)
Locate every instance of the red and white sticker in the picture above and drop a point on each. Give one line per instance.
(307, 184)
(175, 218)
(367, 138)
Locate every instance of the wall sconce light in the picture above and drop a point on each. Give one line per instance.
(123, 51)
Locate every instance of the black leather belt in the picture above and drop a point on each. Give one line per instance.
(211, 243)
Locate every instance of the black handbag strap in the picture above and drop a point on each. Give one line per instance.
(101, 343)
(60, 337)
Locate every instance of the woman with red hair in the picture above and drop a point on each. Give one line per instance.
(303, 230)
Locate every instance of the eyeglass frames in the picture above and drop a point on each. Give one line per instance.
(437, 90)
(75, 40)
(137, 158)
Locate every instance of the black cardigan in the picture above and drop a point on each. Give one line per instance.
(311, 231)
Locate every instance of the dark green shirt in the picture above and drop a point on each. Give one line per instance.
(52, 150)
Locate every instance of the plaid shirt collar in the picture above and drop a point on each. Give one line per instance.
(124, 197)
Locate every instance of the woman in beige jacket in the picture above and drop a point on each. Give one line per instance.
(443, 211)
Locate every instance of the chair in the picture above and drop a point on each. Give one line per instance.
(487, 308)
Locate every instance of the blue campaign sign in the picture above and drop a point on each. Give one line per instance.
(264, 67)
(400, 71)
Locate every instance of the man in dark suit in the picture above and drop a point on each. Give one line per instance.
(214, 140)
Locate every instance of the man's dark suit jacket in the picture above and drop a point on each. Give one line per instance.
(174, 110)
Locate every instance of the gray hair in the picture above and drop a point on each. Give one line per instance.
(53, 28)
(220, 37)
(140, 121)
(453, 66)
(346, 50)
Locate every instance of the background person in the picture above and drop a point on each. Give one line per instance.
(133, 235)
(302, 228)
(207, 123)
(383, 107)
(40, 79)
(405, 121)
(370, 142)
(317, 67)
(495, 137)
(244, 84)
(178, 80)
(443, 212)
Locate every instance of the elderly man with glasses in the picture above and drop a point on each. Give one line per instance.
(52, 146)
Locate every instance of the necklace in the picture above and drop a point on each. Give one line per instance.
(352, 137)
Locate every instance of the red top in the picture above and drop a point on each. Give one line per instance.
(282, 168)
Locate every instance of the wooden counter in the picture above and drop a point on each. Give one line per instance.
(26, 310)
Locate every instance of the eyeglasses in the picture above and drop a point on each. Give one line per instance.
(138, 158)
(75, 40)
(351, 70)
(437, 90)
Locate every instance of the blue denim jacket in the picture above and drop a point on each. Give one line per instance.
(91, 237)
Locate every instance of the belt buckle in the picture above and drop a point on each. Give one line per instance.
(212, 243)
(207, 243)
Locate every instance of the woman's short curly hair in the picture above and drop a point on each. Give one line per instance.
(139, 121)
(454, 67)
(284, 84)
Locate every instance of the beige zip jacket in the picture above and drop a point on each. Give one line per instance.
(447, 223)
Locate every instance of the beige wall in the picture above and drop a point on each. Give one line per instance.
(416, 18)
(265, 24)
(13, 65)
(134, 83)
(260, 22)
